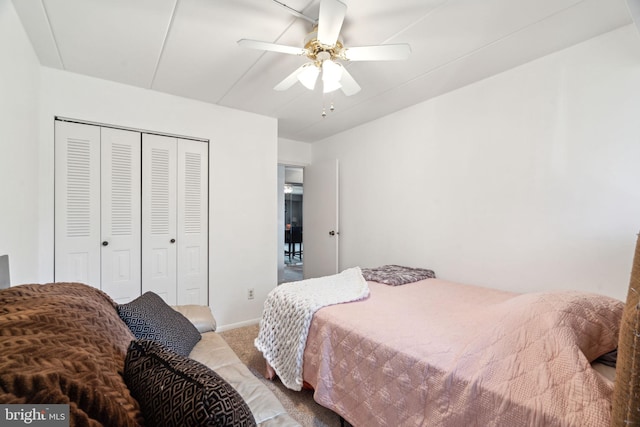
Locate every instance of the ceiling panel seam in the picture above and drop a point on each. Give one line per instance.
(164, 44)
(296, 12)
(53, 36)
(417, 21)
(487, 45)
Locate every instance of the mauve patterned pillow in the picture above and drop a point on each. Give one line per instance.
(149, 317)
(396, 275)
(177, 391)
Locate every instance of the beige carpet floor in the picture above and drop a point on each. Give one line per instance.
(299, 404)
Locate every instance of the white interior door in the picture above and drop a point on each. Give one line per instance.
(77, 207)
(320, 212)
(120, 205)
(192, 235)
(159, 195)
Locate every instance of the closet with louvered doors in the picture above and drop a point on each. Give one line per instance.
(174, 218)
(131, 212)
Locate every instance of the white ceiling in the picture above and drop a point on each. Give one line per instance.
(188, 48)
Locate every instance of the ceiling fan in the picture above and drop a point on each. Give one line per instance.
(324, 48)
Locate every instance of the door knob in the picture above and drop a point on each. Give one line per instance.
(105, 243)
(172, 240)
(332, 233)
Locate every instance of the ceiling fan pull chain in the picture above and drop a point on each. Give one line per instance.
(324, 108)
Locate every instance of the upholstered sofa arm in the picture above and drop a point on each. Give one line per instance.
(200, 315)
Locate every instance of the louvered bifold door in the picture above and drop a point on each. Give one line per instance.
(77, 203)
(121, 211)
(192, 222)
(159, 221)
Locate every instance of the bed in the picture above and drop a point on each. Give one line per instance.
(437, 353)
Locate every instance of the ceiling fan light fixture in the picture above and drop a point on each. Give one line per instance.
(330, 86)
(309, 76)
(331, 71)
(331, 74)
(324, 47)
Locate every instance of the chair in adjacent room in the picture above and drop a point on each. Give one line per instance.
(296, 241)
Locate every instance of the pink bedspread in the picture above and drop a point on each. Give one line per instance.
(435, 353)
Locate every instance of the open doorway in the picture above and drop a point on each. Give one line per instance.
(292, 247)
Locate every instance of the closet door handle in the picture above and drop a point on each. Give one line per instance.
(105, 243)
(172, 240)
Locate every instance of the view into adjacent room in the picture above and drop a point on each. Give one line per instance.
(292, 224)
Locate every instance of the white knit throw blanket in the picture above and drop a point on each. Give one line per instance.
(287, 316)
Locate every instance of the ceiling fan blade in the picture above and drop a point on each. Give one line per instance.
(290, 80)
(330, 19)
(348, 84)
(387, 52)
(307, 74)
(272, 47)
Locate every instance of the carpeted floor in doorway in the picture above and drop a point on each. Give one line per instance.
(299, 404)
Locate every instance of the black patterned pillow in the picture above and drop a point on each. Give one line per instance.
(149, 317)
(177, 391)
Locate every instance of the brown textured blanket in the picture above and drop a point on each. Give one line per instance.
(64, 343)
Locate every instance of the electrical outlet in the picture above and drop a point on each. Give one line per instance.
(250, 293)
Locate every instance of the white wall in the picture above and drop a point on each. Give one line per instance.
(528, 180)
(293, 153)
(242, 206)
(19, 86)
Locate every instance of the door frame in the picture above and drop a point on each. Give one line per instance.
(281, 213)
